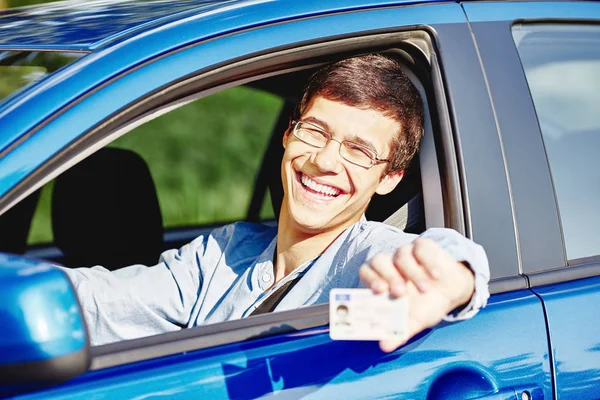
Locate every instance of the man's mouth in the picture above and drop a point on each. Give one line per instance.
(318, 188)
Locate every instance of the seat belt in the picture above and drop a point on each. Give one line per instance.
(274, 298)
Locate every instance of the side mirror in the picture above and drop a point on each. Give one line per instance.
(43, 337)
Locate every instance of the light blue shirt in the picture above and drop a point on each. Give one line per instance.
(225, 275)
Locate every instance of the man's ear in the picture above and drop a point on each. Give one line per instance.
(389, 182)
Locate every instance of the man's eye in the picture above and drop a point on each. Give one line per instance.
(358, 150)
(315, 133)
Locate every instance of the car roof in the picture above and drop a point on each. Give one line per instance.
(89, 25)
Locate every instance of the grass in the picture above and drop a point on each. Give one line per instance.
(203, 157)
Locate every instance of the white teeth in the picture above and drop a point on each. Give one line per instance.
(326, 190)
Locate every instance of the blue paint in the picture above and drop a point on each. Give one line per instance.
(40, 315)
(308, 364)
(47, 25)
(503, 351)
(518, 11)
(572, 310)
(571, 307)
(92, 23)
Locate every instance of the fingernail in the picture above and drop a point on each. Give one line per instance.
(435, 272)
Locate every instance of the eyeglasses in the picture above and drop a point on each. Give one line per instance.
(314, 135)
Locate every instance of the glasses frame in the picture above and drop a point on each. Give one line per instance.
(374, 160)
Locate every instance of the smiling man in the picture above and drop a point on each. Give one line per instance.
(353, 134)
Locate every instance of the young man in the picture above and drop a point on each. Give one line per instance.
(354, 133)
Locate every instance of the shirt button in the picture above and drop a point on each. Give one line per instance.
(266, 278)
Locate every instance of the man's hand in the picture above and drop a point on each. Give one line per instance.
(433, 281)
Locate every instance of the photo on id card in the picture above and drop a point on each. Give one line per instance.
(359, 314)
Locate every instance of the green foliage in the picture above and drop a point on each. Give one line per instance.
(203, 157)
(21, 3)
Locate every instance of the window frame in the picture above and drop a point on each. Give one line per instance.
(281, 322)
(449, 198)
(570, 262)
(542, 254)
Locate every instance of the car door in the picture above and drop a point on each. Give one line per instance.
(501, 353)
(543, 64)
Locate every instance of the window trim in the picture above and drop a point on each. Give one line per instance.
(537, 228)
(569, 262)
(491, 25)
(206, 336)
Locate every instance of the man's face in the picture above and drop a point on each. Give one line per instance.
(322, 191)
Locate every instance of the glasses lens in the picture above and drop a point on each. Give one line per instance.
(311, 135)
(357, 154)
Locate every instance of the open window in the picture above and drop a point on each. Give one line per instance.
(169, 141)
(192, 162)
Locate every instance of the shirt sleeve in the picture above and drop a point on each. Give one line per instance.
(140, 300)
(471, 254)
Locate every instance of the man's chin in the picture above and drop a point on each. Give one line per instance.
(310, 226)
(313, 225)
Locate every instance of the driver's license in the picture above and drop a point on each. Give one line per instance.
(358, 314)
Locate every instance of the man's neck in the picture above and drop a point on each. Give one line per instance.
(296, 247)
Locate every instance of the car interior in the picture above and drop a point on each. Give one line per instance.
(102, 215)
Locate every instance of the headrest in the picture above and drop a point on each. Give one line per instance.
(403, 206)
(105, 212)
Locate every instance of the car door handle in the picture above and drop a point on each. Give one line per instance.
(533, 392)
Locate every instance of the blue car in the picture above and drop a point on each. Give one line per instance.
(509, 158)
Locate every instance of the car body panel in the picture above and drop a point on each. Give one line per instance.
(573, 321)
(309, 364)
(94, 24)
(95, 21)
(531, 10)
(503, 352)
(532, 191)
(478, 151)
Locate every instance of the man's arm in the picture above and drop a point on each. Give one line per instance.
(443, 274)
(139, 301)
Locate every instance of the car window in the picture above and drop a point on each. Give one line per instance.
(562, 67)
(19, 69)
(203, 158)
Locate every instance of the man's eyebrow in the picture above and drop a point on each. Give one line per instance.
(352, 138)
(320, 123)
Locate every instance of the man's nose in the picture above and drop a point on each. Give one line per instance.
(327, 159)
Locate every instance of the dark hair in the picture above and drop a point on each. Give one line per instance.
(373, 82)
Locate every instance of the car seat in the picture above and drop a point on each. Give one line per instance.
(16, 223)
(105, 212)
